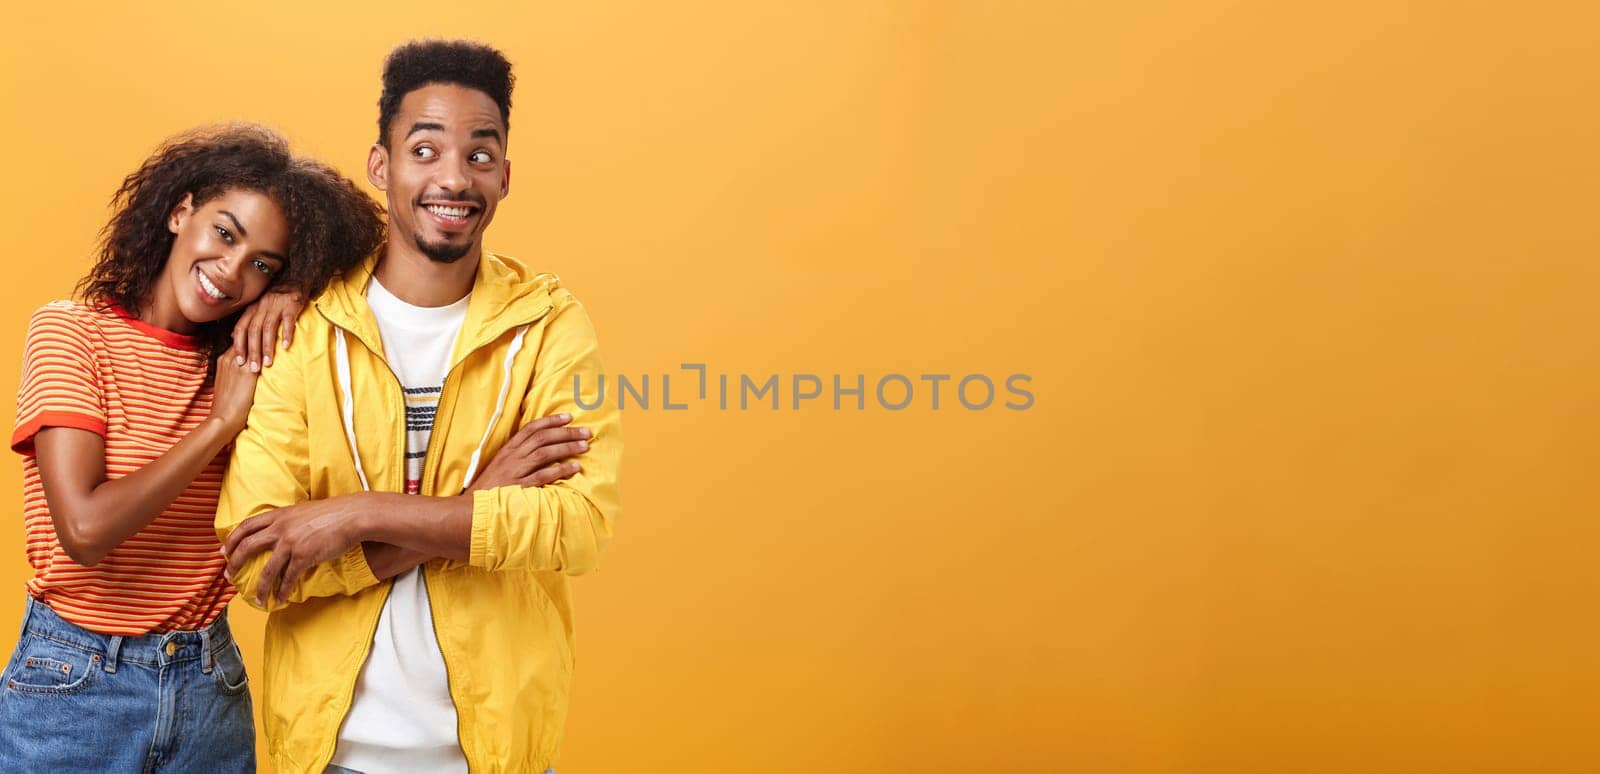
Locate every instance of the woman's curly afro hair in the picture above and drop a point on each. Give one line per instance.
(333, 225)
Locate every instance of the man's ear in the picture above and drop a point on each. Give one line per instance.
(180, 213)
(505, 181)
(378, 166)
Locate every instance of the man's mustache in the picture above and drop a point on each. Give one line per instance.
(473, 199)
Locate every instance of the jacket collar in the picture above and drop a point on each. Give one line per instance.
(504, 295)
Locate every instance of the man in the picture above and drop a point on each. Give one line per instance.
(404, 499)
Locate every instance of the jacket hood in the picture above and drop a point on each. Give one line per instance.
(505, 294)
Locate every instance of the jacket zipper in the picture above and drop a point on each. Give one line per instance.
(449, 683)
(372, 631)
(421, 568)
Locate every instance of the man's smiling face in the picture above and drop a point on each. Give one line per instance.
(444, 170)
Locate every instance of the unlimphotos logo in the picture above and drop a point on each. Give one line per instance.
(892, 391)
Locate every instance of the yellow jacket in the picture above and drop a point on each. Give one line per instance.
(504, 619)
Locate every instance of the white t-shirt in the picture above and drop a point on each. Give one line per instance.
(402, 717)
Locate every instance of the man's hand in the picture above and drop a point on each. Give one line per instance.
(300, 537)
(304, 535)
(536, 455)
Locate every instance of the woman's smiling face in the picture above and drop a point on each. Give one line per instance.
(224, 255)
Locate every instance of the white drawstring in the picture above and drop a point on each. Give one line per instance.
(342, 358)
(499, 405)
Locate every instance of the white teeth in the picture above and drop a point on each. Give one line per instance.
(210, 289)
(448, 212)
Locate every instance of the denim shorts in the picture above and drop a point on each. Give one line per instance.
(76, 700)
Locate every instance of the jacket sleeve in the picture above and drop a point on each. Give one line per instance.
(270, 469)
(564, 526)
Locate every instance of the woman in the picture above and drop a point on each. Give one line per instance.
(127, 403)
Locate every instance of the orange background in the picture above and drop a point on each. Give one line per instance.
(1304, 289)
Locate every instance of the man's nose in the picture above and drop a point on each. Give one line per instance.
(452, 175)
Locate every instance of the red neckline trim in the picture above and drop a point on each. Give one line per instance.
(169, 338)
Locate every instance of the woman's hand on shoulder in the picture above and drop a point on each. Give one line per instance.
(263, 325)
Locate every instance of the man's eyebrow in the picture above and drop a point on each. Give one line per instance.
(488, 132)
(423, 126)
(236, 223)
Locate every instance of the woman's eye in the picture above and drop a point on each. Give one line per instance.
(423, 152)
(481, 157)
(225, 234)
(263, 267)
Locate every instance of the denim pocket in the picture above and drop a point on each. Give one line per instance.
(229, 669)
(47, 666)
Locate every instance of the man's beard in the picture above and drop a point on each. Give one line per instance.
(443, 252)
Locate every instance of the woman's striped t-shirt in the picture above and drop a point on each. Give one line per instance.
(142, 388)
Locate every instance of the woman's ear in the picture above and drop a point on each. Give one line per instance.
(180, 213)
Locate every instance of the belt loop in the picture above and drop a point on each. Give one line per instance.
(205, 650)
(112, 650)
(27, 612)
